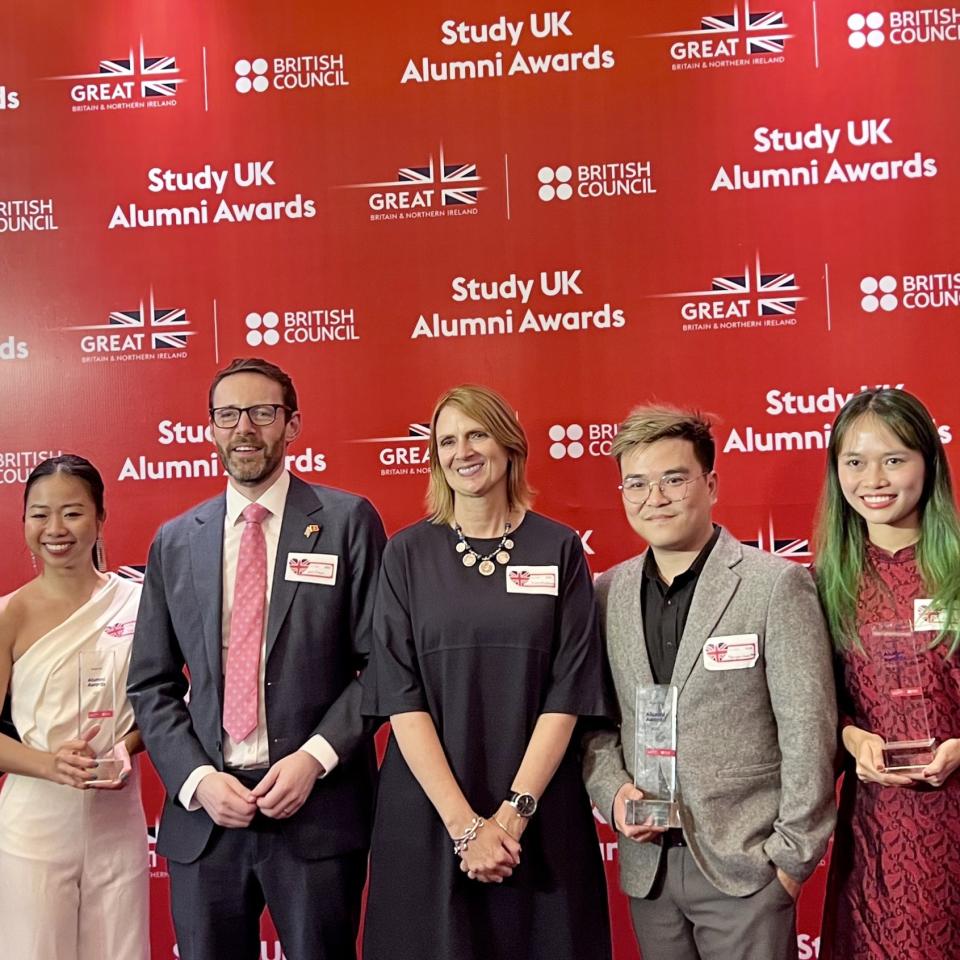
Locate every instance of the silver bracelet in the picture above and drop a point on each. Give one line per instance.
(460, 843)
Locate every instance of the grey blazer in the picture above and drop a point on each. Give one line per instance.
(755, 746)
(318, 638)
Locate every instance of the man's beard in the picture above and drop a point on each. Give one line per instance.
(250, 470)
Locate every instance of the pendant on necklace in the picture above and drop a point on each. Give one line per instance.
(503, 557)
(487, 567)
(469, 559)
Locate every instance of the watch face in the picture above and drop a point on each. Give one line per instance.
(525, 803)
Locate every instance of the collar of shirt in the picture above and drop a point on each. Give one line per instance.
(692, 572)
(274, 499)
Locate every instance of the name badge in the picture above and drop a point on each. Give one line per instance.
(312, 568)
(926, 619)
(116, 633)
(543, 580)
(736, 652)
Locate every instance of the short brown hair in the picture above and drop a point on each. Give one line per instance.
(649, 424)
(266, 369)
(488, 408)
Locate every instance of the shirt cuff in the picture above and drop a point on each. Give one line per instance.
(189, 788)
(319, 748)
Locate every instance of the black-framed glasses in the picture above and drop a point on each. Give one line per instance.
(260, 414)
(673, 486)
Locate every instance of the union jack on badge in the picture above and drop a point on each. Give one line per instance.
(121, 629)
(731, 653)
(533, 579)
(312, 568)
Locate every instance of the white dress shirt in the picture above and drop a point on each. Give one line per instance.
(253, 752)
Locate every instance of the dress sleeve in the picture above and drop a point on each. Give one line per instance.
(578, 680)
(392, 683)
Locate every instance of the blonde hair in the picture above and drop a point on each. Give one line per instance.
(649, 424)
(489, 409)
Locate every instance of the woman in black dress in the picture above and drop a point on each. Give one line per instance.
(487, 652)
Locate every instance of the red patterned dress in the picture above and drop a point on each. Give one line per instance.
(894, 884)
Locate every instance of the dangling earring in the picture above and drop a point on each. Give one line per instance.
(101, 555)
(37, 568)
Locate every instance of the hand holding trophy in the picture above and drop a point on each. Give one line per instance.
(655, 766)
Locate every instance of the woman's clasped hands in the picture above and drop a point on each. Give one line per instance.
(493, 854)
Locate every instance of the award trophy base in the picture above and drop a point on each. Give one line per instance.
(655, 813)
(107, 770)
(908, 754)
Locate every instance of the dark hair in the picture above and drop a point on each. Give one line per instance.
(841, 533)
(72, 466)
(266, 369)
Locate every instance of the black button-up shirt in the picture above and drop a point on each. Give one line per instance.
(665, 609)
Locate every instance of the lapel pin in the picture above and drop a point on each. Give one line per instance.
(311, 529)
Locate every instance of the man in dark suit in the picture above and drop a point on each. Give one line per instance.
(254, 624)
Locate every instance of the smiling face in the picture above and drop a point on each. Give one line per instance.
(679, 526)
(60, 522)
(880, 477)
(253, 456)
(473, 463)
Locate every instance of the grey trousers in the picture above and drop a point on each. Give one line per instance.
(686, 917)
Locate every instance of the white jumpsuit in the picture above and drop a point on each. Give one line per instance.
(73, 863)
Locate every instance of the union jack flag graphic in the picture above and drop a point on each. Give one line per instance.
(773, 283)
(717, 651)
(164, 324)
(765, 44)
(158, 76)
(762, 284)
(156, 73)
(798, 549)
(422, 175)
(460, 183)
(725, 24)
(462, 176)
(764, 32)
(739, 284)
(124, 629)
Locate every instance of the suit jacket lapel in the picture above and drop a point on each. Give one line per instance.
(715, 587)
(206, 558)
(301, 511)
(630, 609)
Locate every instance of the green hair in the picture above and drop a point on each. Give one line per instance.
(841, 535)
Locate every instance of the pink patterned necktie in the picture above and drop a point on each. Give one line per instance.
(242, 685)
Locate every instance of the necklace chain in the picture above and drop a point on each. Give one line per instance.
(484, 562)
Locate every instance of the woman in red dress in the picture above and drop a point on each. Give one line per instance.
(888, 536)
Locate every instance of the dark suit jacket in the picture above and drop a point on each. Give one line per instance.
(318, 638)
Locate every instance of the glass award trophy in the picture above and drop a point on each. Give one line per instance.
(96, 706)
(655, 764)
(905, 719)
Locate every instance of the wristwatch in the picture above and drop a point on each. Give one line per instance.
(524, 803)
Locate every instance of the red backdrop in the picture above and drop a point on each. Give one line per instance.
(750, 207)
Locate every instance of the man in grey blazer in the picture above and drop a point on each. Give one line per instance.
(756, 731)
(254, 623)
